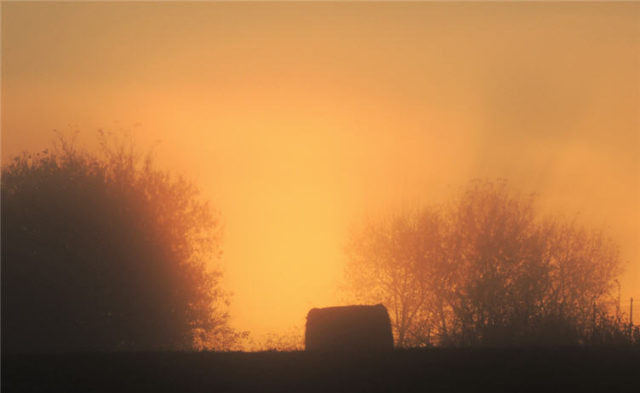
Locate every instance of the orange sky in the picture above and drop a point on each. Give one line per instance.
(297, 119)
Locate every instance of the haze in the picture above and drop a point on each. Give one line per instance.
(299, 119)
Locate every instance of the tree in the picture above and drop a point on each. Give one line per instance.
(485, 269)
(105, 252)
(386, 265)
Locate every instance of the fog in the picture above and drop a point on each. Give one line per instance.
(299, 119)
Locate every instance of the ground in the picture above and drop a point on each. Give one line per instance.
(434, 370)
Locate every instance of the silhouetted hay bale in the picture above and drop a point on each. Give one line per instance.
(349, 328)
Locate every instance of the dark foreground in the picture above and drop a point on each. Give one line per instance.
(445, 370)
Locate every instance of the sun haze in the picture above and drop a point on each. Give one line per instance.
(297, 119)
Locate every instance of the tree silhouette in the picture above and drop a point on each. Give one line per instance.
(485, 269)
(105, 252)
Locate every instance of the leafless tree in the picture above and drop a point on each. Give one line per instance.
(487, 268)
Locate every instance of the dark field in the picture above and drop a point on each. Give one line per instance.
(444, 370)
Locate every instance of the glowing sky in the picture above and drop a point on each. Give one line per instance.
(298, 119)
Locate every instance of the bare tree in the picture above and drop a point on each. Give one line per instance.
(388, 264)
(485, 269)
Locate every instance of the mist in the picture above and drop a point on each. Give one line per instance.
(299, 119)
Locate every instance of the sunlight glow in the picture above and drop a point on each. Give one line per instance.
(299, 119)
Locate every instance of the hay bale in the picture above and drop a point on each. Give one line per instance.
(349, 328)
